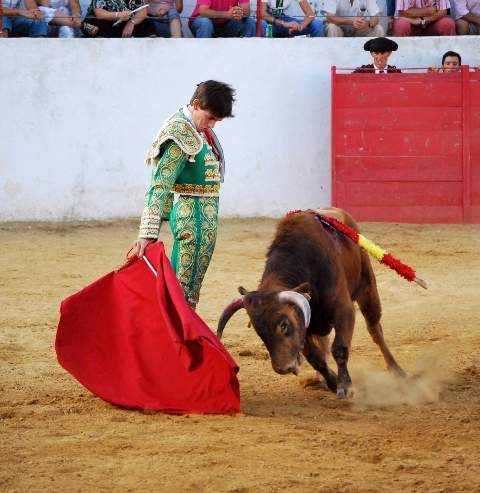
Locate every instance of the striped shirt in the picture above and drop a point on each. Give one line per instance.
(420, 4)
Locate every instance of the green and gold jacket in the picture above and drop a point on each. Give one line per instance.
(182, 162)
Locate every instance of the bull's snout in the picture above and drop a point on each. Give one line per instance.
(288, 367)
(285, 369)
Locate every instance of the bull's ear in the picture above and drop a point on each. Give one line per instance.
(242, 290)
(303, 289)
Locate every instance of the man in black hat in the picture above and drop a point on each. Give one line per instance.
(380, 49)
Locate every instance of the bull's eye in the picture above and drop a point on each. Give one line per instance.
(284, 328)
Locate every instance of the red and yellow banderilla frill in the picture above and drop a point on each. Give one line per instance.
(375, 251)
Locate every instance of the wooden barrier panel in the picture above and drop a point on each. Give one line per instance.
(406, 147)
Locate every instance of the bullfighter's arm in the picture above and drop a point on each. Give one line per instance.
(159, 199)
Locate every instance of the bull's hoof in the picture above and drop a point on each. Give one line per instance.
(343, 393)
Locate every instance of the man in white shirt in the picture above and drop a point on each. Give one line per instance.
(348, 18)
(467, 16)
(23, 22)
(423, 18)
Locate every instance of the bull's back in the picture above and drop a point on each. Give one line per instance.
(305, 250)
(338, 214)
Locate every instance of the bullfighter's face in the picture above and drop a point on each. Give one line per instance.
(380, 59)
(281, 327)
(203, 119)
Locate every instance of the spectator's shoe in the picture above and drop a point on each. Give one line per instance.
(89, 29)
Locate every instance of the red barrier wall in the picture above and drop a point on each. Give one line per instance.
(406, 147)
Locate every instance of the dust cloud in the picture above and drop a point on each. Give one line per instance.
(423, 385)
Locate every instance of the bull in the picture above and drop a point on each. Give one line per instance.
(312, 277)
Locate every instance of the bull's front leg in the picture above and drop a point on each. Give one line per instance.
(315, 351)
(344, 323)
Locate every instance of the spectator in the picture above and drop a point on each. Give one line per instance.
(423, 18)
(273, 12)
(167, 18)
(467, 16)
(104, 14)
(222, 19)
(62, 17)
(28, 22)
(380, 49)
(345, 18)
(451, 62)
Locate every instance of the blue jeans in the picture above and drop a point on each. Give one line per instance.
(162, 24)
(314, 29)
(21, 27)
(203, 27)
(390, 7)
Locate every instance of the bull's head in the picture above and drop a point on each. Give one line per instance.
(280, 318)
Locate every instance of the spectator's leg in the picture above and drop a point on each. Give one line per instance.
(145, 29)
(202, 27)
(264, 28)
(22, 27)
(401, 28)
(66, 32)
(333, 31)
(246, 28)
(6, 27)
(371, 32)
(105, 29)
(462, 28)
(175, 24)
(443, 27)
(282, 32)
(162, 28)
(249, 27)
(315, 29)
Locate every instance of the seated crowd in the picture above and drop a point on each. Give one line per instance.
(231, 18)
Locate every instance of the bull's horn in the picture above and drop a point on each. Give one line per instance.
(299, 300)
(231, 308)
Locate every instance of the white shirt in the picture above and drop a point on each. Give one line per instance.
(343, 8)
(465, 7)
(278, 7)
(189, 115)
(11, 4)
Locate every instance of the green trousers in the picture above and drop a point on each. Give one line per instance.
(193, 222)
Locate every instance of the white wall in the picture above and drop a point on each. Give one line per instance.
(77, 117)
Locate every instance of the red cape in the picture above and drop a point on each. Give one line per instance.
(132, 339)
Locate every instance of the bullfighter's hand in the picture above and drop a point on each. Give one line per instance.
(139, 246)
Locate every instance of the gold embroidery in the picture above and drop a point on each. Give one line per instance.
(196, 189)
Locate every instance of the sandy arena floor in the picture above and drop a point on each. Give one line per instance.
(416, 435)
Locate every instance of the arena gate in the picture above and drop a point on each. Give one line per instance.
(406, 147)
